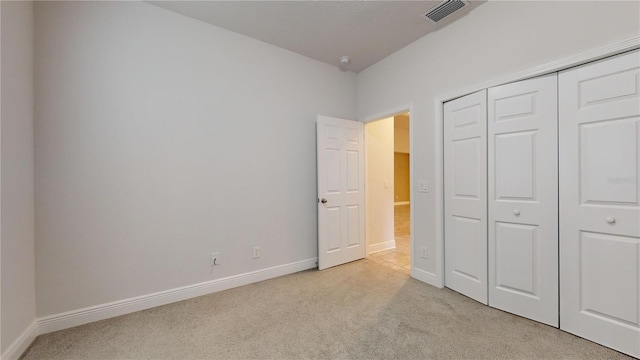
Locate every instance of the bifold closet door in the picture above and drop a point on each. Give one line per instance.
(523, 198)
(465, 189)
(600, 202)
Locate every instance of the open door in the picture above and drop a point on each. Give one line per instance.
(340, 191)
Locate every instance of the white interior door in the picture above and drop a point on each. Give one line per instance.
(465, 191)
(600, 202)
(523, 198)
(340, 191)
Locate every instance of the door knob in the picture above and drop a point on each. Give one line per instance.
(323, 200)
(516, 212)
(610, 219)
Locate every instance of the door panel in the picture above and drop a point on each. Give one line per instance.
(466, 158)
(353, 175)
(333, 228)
(609, 148)
(341, 183)
(523, 195)
(516, 258)
(515, 166)
(465, 174)
(467, 234)
(599, 209)
(606, 257)
(353, 217)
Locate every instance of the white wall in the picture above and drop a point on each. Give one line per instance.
(16, 163)
(160, 139)
(496, 39)
(379, 185)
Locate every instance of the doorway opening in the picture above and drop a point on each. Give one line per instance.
(388, 204)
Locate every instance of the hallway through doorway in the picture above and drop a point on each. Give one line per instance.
(399, 258)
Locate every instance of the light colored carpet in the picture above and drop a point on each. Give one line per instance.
(361, 310)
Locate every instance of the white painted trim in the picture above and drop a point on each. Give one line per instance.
(439, 193)
(426, 277)
(398, 203)
(382, 246)
(1, 354)
(554, 66)
(100, 312)
(22, 343)
(412, 193)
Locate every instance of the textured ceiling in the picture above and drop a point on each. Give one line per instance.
(366, 31)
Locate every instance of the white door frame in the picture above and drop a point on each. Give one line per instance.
(554, 66)
(399, 110)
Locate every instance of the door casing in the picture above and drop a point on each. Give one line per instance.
(402, 109)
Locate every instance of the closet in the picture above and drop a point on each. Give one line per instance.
(542, 199)
(523, 198)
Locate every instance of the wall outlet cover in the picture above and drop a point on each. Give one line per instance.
(215, 258)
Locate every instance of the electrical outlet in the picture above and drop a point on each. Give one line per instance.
(215, 258)
(423, 252)
(256, 252)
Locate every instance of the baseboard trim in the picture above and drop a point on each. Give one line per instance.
(100, 312)
(398, 203)
(426, 277)
(22, 343)
(386, 245)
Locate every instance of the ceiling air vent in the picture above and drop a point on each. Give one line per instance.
(445, 9)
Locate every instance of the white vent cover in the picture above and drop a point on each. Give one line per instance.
(445, 9)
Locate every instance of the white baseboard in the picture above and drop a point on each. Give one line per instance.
(397, 203)
(427, 277)
(100, 312)
(386, 245)
(21, 344)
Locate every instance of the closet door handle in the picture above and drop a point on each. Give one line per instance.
(610, 219)
(516, 212)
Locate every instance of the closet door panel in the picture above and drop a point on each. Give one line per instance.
(522, 199)
(599, 202)
(465, 166)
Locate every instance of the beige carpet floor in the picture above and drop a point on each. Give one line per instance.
(361, 310)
